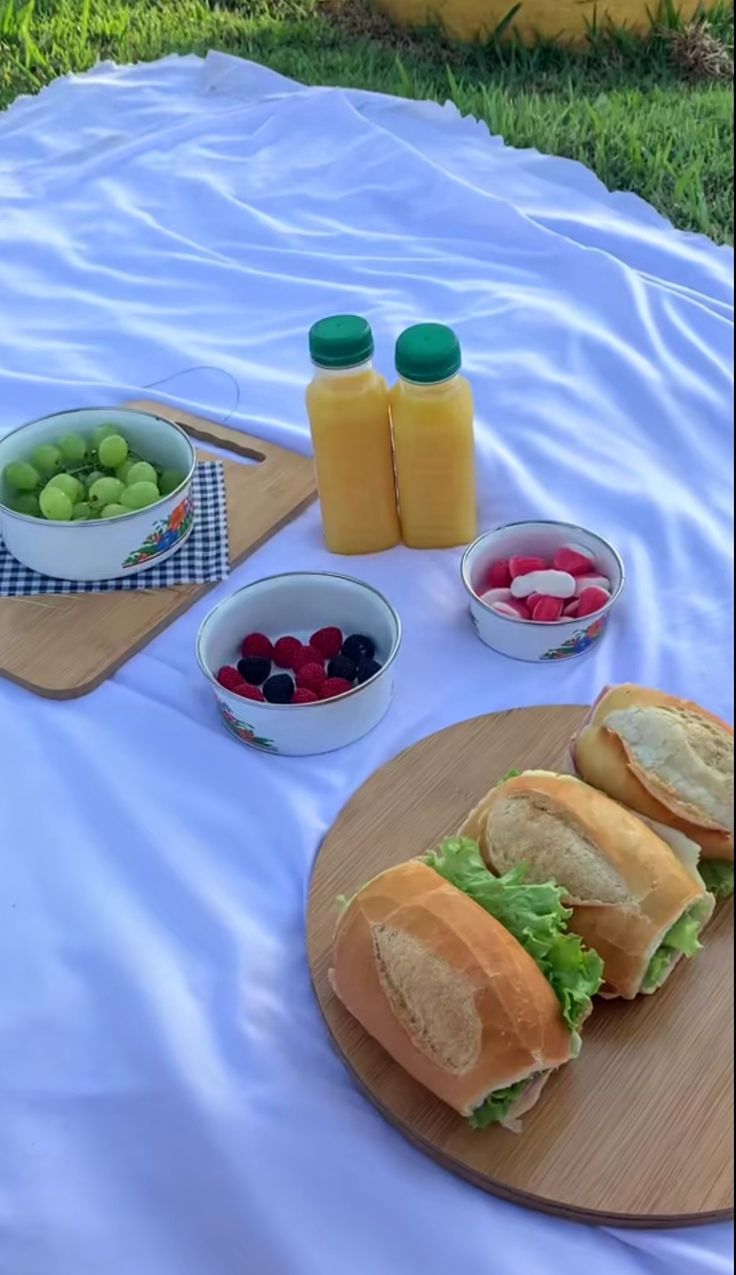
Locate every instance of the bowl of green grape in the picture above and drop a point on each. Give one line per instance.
(124, 475)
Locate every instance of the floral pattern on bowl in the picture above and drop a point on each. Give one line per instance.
(243, 730)
(579, 641)
(164, 535)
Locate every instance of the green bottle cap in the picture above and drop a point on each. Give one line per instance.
(343, 340)
(427, 353)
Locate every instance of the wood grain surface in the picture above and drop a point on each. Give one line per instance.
(65, 646)
(637, 1131)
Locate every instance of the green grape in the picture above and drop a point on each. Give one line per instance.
(141, 472)
(21, 476)
(92, 478)
(73, 448)
(114, 511)
(140, 495)
(170, 480)
(104, 492)
(123, 470)
(112, 451)
(48, 459)
(55, 504)
(70, 486)
(82, 511)
(103, 431)
(26, 502)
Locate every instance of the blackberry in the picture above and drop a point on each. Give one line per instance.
(341, 666)
(279, 689)
(254, 670)
(358, 647)
(366, 669)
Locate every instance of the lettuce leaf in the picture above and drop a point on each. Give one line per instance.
(534, 914)
(681, 937)
(496, 1105)
(718, 877)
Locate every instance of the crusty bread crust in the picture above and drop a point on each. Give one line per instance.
(604, 759)
(625, 934)
(521, 1027)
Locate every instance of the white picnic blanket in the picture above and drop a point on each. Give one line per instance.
(169, 1101)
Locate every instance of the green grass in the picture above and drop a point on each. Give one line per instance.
(654, 116)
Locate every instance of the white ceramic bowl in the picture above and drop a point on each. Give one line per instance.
(102, 548)
(532, 640)
(298, 603)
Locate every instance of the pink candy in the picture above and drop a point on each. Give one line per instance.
(590, 582)
(512, 610)
(521, 565)
(590, 600)
(547, 609)
(528, 587)
(496, 595)
(499, 575)
(574, 559)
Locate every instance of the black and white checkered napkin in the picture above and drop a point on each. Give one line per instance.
(204, 557)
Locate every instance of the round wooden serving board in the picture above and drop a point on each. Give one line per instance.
(637, 1131)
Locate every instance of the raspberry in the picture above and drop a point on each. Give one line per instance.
(306, 655)
(327, 642)
(258, 646)
(304, 696)
(334, 686)
(285, 650)
(358, 647)
(249, 692)
(254, 670)
(229, 677)
(278, 689)
(310, 677)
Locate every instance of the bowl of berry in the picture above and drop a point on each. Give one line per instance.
(541, 591)
(300, 663)
(127, 475)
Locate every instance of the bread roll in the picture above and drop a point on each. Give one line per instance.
(446, 990)
(625, 885)
(666, 758)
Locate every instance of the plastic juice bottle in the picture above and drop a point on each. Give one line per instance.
(347, 403)
(434, 452)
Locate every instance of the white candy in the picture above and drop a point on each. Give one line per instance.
(592, 582)
(551, 583)
(496, 595)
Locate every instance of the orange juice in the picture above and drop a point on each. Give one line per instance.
(434, 450)
(347, 404)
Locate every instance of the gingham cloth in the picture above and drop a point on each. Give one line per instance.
(202, 558)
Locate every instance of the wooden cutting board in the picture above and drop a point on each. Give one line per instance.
(637, 1131)
(65, 646)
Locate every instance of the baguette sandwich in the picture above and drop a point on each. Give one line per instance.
(669, 760)
(471, 983)
(632, 899)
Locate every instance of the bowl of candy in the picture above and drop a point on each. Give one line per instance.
(122, 474)
(300, 663)
(541, 591)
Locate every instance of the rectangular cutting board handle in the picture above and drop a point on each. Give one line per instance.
(233, 440)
